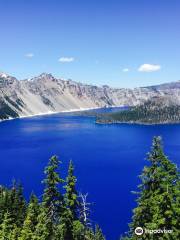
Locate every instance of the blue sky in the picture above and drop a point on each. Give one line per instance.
(122, 43)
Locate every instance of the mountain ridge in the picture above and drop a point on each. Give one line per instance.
(48, 94)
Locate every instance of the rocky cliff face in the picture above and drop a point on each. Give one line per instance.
(46, 94)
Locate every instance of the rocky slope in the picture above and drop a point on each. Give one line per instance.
(46, 94)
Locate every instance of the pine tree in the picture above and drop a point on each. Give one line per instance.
(70, 212)
(57, 217)
(52, 199)
(3, 204)
(98, 234)
(60, 231)
(16, 204)
(90, 235)
(158, 197)
(15, 234)
(12, 211)
(71, 195)
(44, 227)
(78, 230)
(30, 222)
(21, 204)
(7, 227)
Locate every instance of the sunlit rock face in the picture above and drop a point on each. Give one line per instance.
(46, 94)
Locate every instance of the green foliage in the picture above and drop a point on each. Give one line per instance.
(52, 196)
(71, 197)
(98, 234)
(158, 201)
(8, 228)
(71, 204)
(12, 201)
(17, 204)
(3, 202)
(30, 222)
(56, 217)
(151, 112)
(78, 230)
(44, 228)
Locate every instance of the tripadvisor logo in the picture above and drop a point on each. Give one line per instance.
(139, 231)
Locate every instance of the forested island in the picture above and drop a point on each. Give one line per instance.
(64, 214)
(151, 112)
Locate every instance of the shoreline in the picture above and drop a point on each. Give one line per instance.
(136, 123)
(51, 113)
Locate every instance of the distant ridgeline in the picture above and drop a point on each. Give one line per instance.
(47, 94)
(151, 112)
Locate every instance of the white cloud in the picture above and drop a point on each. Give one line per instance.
(66, 59)
(125, 70)
(29, 55)
(149, 67)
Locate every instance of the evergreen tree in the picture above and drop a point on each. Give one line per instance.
(57, 217)
(98, 234)
(44, 227)
(60, 232)
(7, 227)
(70, 212)
(16, 204)
(3, 204)
(12, 210)
(158, 197)
(15, 234)
(90, 235)
(30, 222)
(71, 195)
(21, 206)
(78, 230)
(52, 198)
(150, 112)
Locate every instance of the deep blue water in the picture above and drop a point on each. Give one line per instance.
(108, 159)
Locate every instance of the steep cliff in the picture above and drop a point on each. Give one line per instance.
(46, 94)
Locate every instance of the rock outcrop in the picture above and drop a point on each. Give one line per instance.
(47, 94)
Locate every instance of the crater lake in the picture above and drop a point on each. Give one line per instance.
(107, 158)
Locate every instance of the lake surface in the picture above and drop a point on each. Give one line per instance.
(108, 159)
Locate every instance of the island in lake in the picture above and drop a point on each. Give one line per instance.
(154, 111)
